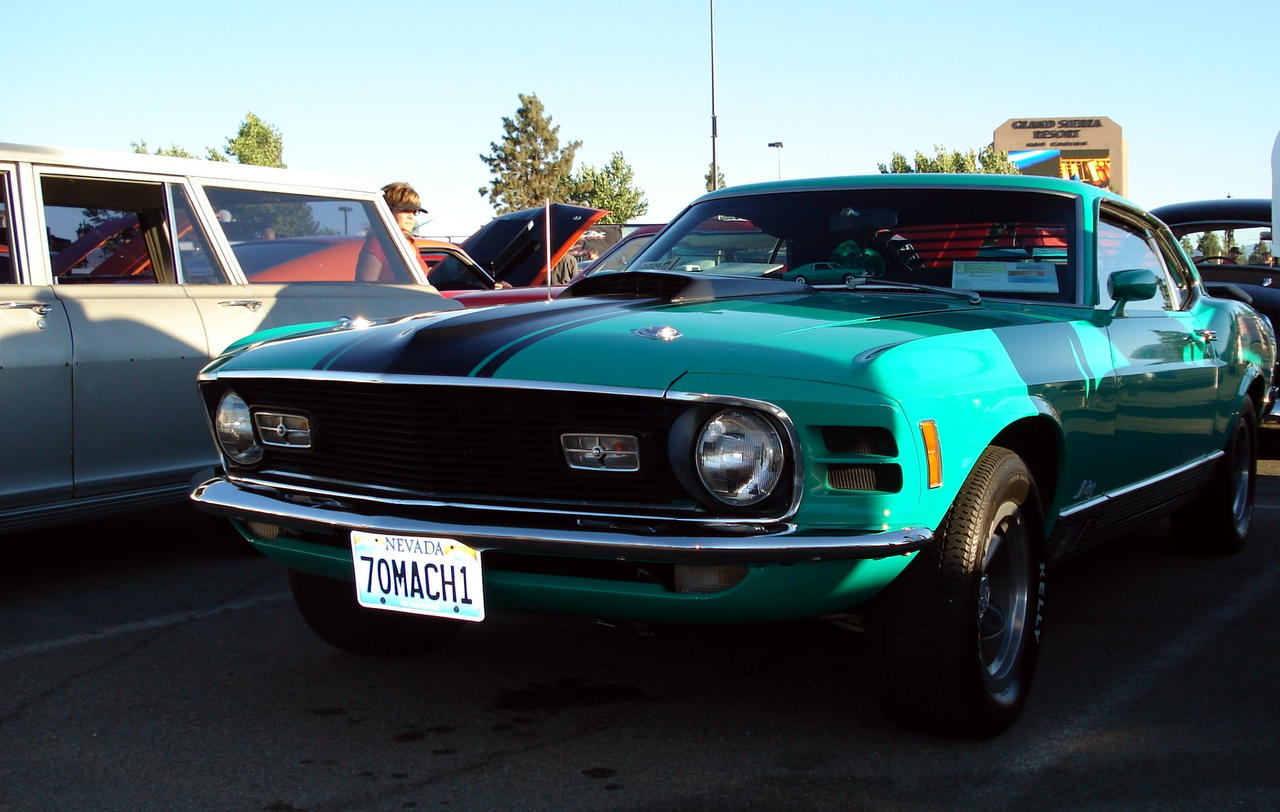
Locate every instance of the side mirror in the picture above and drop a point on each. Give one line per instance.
(1137, 285)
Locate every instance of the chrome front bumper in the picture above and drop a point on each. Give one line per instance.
(776, 544)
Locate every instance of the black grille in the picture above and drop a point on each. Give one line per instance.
(866, 440)
(466, 443)
(885, 477)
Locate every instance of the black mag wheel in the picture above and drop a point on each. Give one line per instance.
(1218, 521)
(329, 607)
(957, 635)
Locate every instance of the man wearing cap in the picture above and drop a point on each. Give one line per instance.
(1234, 254)
(406, 206)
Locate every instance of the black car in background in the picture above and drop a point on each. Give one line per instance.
(1231, 242)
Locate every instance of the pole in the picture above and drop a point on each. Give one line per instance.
(715, 175)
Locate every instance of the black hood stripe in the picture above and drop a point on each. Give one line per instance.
(474, 343)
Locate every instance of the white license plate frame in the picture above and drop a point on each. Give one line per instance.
(420, 575)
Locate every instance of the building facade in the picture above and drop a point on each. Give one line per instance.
(1091, 149)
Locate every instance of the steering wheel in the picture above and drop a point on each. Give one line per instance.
(1209, 260)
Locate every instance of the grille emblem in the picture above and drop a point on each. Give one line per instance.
(601, 452)
(285, 430)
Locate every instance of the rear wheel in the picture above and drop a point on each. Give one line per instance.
(1217, 522)
(958, 633)
(329, 607)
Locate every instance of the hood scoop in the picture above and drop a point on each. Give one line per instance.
(676, 286)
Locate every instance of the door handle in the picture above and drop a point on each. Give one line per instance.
(252, 305)
(40, 308)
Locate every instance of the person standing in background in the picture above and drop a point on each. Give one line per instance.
(405, 205)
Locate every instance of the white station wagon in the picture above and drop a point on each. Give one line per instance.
(121, 275)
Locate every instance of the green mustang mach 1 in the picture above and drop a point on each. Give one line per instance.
(1000, 372)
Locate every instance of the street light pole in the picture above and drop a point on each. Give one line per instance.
(715, 176)
(778, 146)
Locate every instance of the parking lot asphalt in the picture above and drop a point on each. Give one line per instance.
(166, 668)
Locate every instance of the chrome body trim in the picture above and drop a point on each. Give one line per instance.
(753, 543)
(1082, 507)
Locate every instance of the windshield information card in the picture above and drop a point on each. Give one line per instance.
(1005, 277)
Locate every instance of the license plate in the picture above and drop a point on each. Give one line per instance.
(418, 574)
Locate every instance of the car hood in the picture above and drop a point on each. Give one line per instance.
(513, 247)
(644, 342)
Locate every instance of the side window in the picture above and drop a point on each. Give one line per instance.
(280, 237)
(1124, 246)
(1179, 272)
(102, 231)
(8, 265)
(197, 264)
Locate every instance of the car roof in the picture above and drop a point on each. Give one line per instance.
(933, 180)
(165, 165)
(1208, 214)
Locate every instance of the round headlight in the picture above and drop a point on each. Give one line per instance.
(739, 456)
(234, 427)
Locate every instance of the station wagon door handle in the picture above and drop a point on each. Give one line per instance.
(40, 308)
(252, 305)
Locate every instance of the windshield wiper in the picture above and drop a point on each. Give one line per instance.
(970, 296)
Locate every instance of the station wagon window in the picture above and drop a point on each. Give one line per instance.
(1002, 244)
(197, 264)
(8, 266)
(281, 237)
(1125, 245)
(101, 231)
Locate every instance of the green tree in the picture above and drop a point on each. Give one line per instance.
(173, 150)
(1210, 245)
(719, 184)
(256, 142)
(988, 161)
(528, 165)
(609, 187)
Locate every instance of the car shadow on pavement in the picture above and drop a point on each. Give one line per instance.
(155, 536)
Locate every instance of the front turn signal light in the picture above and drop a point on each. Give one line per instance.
(932, 452)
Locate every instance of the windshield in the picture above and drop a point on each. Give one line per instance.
(1229, 244)
(1003, 244)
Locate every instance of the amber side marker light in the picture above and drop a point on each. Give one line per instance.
(932, 452)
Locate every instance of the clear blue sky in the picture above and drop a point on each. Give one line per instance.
(416, 91)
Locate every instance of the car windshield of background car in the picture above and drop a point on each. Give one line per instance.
(451, 272)
(1213, 246)
(1004, 244)
(618, 257)
(279, 237)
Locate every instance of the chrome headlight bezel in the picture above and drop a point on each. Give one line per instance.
(732, 456)
(233, 427)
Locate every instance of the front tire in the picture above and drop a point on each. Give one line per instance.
(1217, 522)
(958, 633)
(329, 607)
